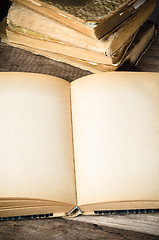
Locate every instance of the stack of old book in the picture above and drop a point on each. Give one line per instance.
(97, 35)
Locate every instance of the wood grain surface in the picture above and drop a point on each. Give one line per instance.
(59, 229)
(144, 223)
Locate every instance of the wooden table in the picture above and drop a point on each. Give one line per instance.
(130, 226)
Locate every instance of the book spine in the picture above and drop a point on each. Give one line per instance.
(27, 217)
(130, 211)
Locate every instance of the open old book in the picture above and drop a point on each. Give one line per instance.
(91, 145)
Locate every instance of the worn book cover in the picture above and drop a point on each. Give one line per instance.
(92, 17)
(28, 21)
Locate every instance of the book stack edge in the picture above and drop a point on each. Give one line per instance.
(93, 35)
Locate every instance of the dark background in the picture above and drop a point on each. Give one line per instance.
(4, 5)
(155, 15)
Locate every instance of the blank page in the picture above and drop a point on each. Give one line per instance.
(36, 154)
(116, 137)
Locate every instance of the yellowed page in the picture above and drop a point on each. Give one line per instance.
(116, 137)
(36, 154)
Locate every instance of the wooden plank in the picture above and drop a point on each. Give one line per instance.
(58, 229)
(144, 223)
